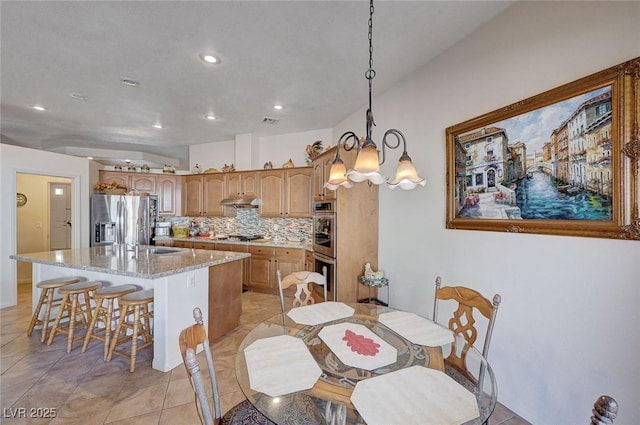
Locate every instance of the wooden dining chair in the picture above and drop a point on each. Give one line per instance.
(463, 323)
(241, 414)
(301, 279)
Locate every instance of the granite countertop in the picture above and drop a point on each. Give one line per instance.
(117, 260)
(257, 242)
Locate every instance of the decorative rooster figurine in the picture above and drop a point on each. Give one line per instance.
(313, 150)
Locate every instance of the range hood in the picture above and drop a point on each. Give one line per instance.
(244, 202)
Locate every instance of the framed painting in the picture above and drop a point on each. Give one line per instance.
(564, 162)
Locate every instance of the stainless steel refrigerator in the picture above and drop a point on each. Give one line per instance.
(122, 219)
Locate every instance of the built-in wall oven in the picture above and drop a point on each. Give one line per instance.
(324, 229)
(324, 243)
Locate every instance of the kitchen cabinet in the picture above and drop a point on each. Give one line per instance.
(203, 194)
(242, 184)
(308, 260)
(285, 193)
(264, 263)
(169, 191)
(168, 188)
(182, 244)
(321, 168)
(118, 177)
(245, 262)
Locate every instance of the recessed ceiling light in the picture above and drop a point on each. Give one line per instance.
(157, 126)
(210, 117)
(278, 107)
(129, 82)
(79, 96)
(210, 58)
(89, 157)
(39, 108)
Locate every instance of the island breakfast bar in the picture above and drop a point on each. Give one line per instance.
(181, 279)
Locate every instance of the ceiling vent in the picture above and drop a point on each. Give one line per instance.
(269, 120)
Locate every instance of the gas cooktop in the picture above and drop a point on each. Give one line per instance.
(244, 238)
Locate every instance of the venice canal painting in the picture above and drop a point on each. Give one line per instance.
(552, 163)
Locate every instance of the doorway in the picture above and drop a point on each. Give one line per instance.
(41, 220)
(59, 216)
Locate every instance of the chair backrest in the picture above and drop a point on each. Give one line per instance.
(605, 410)
(463, 322)
(301, 279)
(190, 339)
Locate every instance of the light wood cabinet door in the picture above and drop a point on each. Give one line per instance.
(260, 270)
(144, 183)
(272, 193)
(183, 244)
(122, 179)
(298, 193)
(321, 171)
(213, 194)
(193, 197)
(168, 189)
(287, 261)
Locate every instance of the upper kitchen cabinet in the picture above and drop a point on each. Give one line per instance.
(118, 177)
(321, 169)
(168, 188)
(285, 193)
(169, 191)
(203, 194)
(241, 184)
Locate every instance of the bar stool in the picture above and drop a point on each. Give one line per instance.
(73, 308)
(47, 295)
(106, 314)
(135, 304)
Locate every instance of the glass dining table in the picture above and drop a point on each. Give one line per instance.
(331, 398)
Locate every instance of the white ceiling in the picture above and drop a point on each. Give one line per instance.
(309, 56)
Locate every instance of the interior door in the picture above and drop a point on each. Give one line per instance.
(59, 216)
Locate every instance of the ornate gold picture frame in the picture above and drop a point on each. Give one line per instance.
(564, 162)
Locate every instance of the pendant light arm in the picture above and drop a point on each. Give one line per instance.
(399, 138)
(349, 141)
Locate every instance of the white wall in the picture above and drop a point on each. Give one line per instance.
(14, 160)
(567, 328)
(277, 149)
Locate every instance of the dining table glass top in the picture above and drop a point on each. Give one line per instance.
(330, 397)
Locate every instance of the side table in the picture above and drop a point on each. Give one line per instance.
(374, 283)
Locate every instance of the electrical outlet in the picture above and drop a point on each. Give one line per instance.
(191, 281)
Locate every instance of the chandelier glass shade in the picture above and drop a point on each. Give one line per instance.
(367, 165)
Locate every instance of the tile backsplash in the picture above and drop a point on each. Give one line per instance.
(248, 222)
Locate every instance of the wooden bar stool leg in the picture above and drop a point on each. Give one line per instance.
(36, 313)
(116, 334)
(47, 313)
(107, 328)
(72, 321)
(134, 340)
(92, 324)
(63, 306)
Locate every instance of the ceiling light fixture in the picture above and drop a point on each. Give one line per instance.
(160, 126)
(278, 107)
(210, 117)
(129, 82)
(210, 59)
(39, 108)
(79, 96)
(367, 166)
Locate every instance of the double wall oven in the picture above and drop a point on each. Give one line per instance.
(324, 243)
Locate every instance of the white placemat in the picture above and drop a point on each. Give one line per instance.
(280, 365)
(414, 396)
(315, 314)
(357, 346)
(416, 329)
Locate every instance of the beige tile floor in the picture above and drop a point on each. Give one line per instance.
(85, 390)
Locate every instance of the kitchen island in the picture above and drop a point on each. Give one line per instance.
(181, 279)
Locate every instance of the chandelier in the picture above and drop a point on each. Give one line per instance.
(367, 166)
